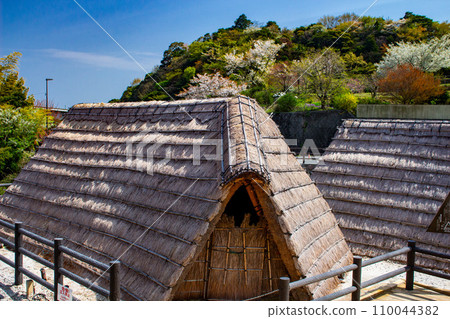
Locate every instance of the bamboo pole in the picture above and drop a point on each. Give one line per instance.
(206, 269)
(226, 258)
(245, 259)
(269, 264)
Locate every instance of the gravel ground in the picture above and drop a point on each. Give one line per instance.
(8, 291)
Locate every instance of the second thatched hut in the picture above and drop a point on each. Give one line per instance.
(385, 180)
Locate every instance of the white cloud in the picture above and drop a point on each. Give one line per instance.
(147, 54)
(95, 59)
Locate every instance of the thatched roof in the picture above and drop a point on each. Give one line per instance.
(385, 180)
(156, 215)
(441, 222)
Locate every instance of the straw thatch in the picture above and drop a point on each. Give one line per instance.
(441, 222)
(385, 180)
(122, 180)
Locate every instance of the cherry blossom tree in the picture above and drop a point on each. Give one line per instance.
(427, 56)
(203, 86)
(253, 65)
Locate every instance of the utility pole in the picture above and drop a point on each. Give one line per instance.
(46, 101)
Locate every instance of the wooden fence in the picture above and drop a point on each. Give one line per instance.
(59, 271)
(285, 286)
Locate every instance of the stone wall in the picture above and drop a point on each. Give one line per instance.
(398, 111)
(319, 126)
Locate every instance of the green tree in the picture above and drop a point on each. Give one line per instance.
(241, 23)
(176, 49)
(20, 131)
(12, 88)
(9, 64)
(189, 73)
(322, 73)
(356, 65)
(420, 28)
(13, 92)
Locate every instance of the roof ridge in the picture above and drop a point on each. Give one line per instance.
(152, 103)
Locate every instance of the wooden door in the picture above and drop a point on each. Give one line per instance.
(237, 255)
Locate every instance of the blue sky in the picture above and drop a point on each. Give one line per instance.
(58, 40)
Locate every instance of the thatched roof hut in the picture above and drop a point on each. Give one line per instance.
(124, 180)
(385, 180)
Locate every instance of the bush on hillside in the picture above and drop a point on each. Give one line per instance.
(20, 131)
(407, 84)
(346, 102)
(286, 103)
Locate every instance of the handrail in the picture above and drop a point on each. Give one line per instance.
(58, 250)
(84, 258)
(7, 261)
(41, 281)
(386, 256)
(285, 286)
(337, 294)
(432, 273)
(6, 242)
(37, 258)
(6, 224)
(329, 274)
(432, 253)
(84, 282)
(37, 238)
(383, 277)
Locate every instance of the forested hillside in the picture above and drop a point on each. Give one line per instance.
(266, 62)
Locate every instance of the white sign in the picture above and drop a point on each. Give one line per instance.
(64, 293)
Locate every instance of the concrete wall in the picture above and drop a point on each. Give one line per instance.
(392, 111)
(320, 126)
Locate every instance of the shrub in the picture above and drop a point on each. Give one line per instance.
(444, 98)
(371, 100)
(286, 103)
(188, 73)
(346, 102)
(20, 130)
(264, 98)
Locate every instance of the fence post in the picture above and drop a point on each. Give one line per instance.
(18, 257)
(57, 263)
(283, 287)
(114, 280)
(356, 278)
(410, 261)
